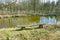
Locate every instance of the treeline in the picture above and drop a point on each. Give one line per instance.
(33, 6)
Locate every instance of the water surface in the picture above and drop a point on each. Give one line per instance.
(27, 20)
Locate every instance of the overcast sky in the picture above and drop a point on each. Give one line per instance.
(23, 0)
(49, 0)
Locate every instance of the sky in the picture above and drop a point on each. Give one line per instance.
(49, 0)
(23, 0)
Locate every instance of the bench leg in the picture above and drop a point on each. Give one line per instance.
(40, 26)
(22, 27)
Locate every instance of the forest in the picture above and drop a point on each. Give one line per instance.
(30, 6)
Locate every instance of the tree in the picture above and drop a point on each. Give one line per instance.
(34, 5)
(58, 7)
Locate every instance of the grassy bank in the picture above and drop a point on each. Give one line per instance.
(33, 34)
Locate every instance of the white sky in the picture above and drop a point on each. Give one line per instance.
(23, 0)
(49, 0)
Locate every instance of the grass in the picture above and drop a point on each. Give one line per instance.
(31, 34)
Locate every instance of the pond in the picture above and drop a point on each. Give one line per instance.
(27, 20)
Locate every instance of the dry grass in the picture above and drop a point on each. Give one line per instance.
(34, 34)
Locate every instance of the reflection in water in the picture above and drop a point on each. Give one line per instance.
(49, 20)
(52, 20)
(31, 20)
(43, 20)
